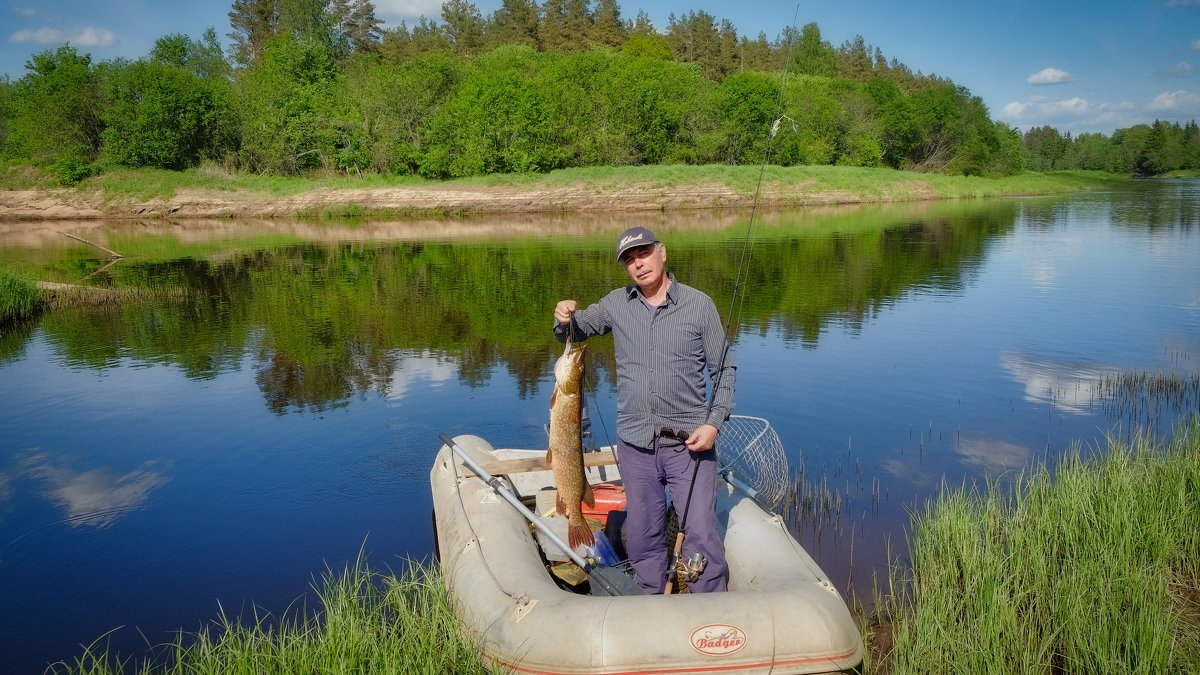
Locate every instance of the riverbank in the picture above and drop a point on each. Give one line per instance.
(209, 192)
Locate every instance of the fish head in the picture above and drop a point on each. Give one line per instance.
(568, 370)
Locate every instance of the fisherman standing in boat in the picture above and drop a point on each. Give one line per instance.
(669, 341)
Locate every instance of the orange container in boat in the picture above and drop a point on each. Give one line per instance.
(609, 497)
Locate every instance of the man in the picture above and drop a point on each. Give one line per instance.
(669, 341)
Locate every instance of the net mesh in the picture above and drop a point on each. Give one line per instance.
(751, 451)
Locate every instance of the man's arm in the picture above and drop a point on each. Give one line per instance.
(721, 369)
(579, 324)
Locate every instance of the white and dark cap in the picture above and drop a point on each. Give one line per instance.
(634, 237)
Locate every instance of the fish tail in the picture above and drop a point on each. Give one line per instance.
(579, 534)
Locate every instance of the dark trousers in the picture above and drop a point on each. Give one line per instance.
(647, 474)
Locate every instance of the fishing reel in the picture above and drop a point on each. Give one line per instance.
(690, 569)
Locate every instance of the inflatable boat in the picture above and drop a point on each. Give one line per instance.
(780, 615)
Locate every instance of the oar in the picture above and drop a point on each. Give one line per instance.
(605, 580)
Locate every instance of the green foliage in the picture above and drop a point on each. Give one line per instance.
(161, 115)
(531, 88)
(285, 103)
(1141, 150)
(811, 55)
(56, 114)
(746, 104)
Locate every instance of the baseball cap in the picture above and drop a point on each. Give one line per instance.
(634, 237)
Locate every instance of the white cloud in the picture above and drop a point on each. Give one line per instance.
(88, 36)
(408, 10)
(1196, 43)
(1041, 107)
(1050, 76)
(1183, 3)
(25, 10)
(1178, 101)
(1181, 69)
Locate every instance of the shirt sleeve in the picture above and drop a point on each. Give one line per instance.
(592, 320)
(721, 369)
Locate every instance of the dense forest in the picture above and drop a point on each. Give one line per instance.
(318, 86)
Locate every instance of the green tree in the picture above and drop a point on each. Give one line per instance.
(812, 55)
(287, 125)
(1046, 147)
(57, 112)
(854, 60)
(496, 121)
(747, 104)
(254, 24)
(695, 38)
(755, 54)
(464, 26)
(1090, 151)
(607, 29)
(203, 58)
(164, 116)
(515, 22)
(427, 37)
(899, 133)
(552, 26)
(577, 25)
(356, 29)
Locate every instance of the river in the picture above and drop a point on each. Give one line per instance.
(263, 401)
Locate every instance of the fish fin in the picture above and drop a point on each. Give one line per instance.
(549, 457)
(579, 534)
(559, 506)
(553, 395)
(589, 497)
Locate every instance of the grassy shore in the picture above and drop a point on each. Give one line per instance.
(1094, 569)
(366, 622)
(211, 191)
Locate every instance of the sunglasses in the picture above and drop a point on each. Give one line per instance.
(679, 434)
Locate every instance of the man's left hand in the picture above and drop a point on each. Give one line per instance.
(702, 438)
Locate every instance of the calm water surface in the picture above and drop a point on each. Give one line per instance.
(221, 447)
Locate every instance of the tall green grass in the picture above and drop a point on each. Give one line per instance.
(1094, 568)
(366, 622)
(19, 297)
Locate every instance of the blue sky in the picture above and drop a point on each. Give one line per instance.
(1077, 66)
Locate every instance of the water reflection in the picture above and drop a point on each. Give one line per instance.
(1069, 388)
(993, 455)
(424, 367)
(324, 323)
(94, 497)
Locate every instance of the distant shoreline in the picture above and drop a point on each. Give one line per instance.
(177, 196)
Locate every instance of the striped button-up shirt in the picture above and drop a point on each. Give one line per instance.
(665, 357)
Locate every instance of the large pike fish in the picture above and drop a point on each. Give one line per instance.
(565, 454)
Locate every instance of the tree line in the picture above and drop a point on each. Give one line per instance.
(1141, 150)
(320, 86)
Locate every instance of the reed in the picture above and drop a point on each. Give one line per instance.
(1093, 567)
(19, 297)
(365, 622)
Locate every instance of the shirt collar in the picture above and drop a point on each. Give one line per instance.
(633, 290)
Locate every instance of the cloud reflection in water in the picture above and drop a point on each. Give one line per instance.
(97, 497)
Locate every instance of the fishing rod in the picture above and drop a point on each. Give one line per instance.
(725, 472)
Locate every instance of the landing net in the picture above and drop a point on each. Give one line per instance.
(751, 451)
